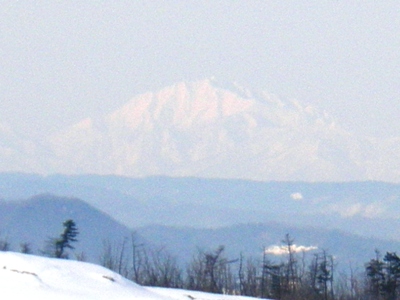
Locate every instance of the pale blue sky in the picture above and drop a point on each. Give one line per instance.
(62, 61)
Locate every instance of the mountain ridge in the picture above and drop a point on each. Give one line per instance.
(198, 129)
(34, 220)
(364, 208)
(39, 218)
(208, 129)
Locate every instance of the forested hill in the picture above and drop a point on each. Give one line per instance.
(365, 208)
(37, 221)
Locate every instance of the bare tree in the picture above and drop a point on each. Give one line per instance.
(210, 271)
(114, 257)
(5, 244)
(250, 277)
(137, 257)
(325, 274)
(291, 278)
(25, 248)
(160, 269)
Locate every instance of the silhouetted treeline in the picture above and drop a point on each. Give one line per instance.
(295, 276)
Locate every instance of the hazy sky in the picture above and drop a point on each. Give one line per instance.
(62, 61)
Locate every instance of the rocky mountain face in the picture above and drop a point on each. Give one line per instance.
(205, 129)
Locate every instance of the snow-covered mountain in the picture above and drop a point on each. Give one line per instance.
(31, 277)
(209, 130)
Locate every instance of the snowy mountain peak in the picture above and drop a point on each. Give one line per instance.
(198, 129)
(183, 104)
(205, 102)
(212, 129)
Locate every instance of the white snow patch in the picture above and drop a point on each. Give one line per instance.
(31, 277)
(193, 295)
(282, 250)
(296, 196)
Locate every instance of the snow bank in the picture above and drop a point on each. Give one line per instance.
(178, 294)
(25, 276)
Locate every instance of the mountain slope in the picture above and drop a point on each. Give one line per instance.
(251, 239)
(202, 129)
(27, 276)
(365, 208)
(36, 220)
(311, 212)
(211, 130)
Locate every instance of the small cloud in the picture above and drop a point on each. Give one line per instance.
(282, 250)
(296, 196)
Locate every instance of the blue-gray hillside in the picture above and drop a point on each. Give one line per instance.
(365, 208)
(251, 239)
(40, 218)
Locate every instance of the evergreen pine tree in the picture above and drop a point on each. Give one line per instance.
(66, 238)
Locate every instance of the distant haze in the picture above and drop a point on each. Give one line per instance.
(64, 61)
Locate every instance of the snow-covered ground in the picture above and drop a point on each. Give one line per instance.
(31, 277)
(178, 294)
